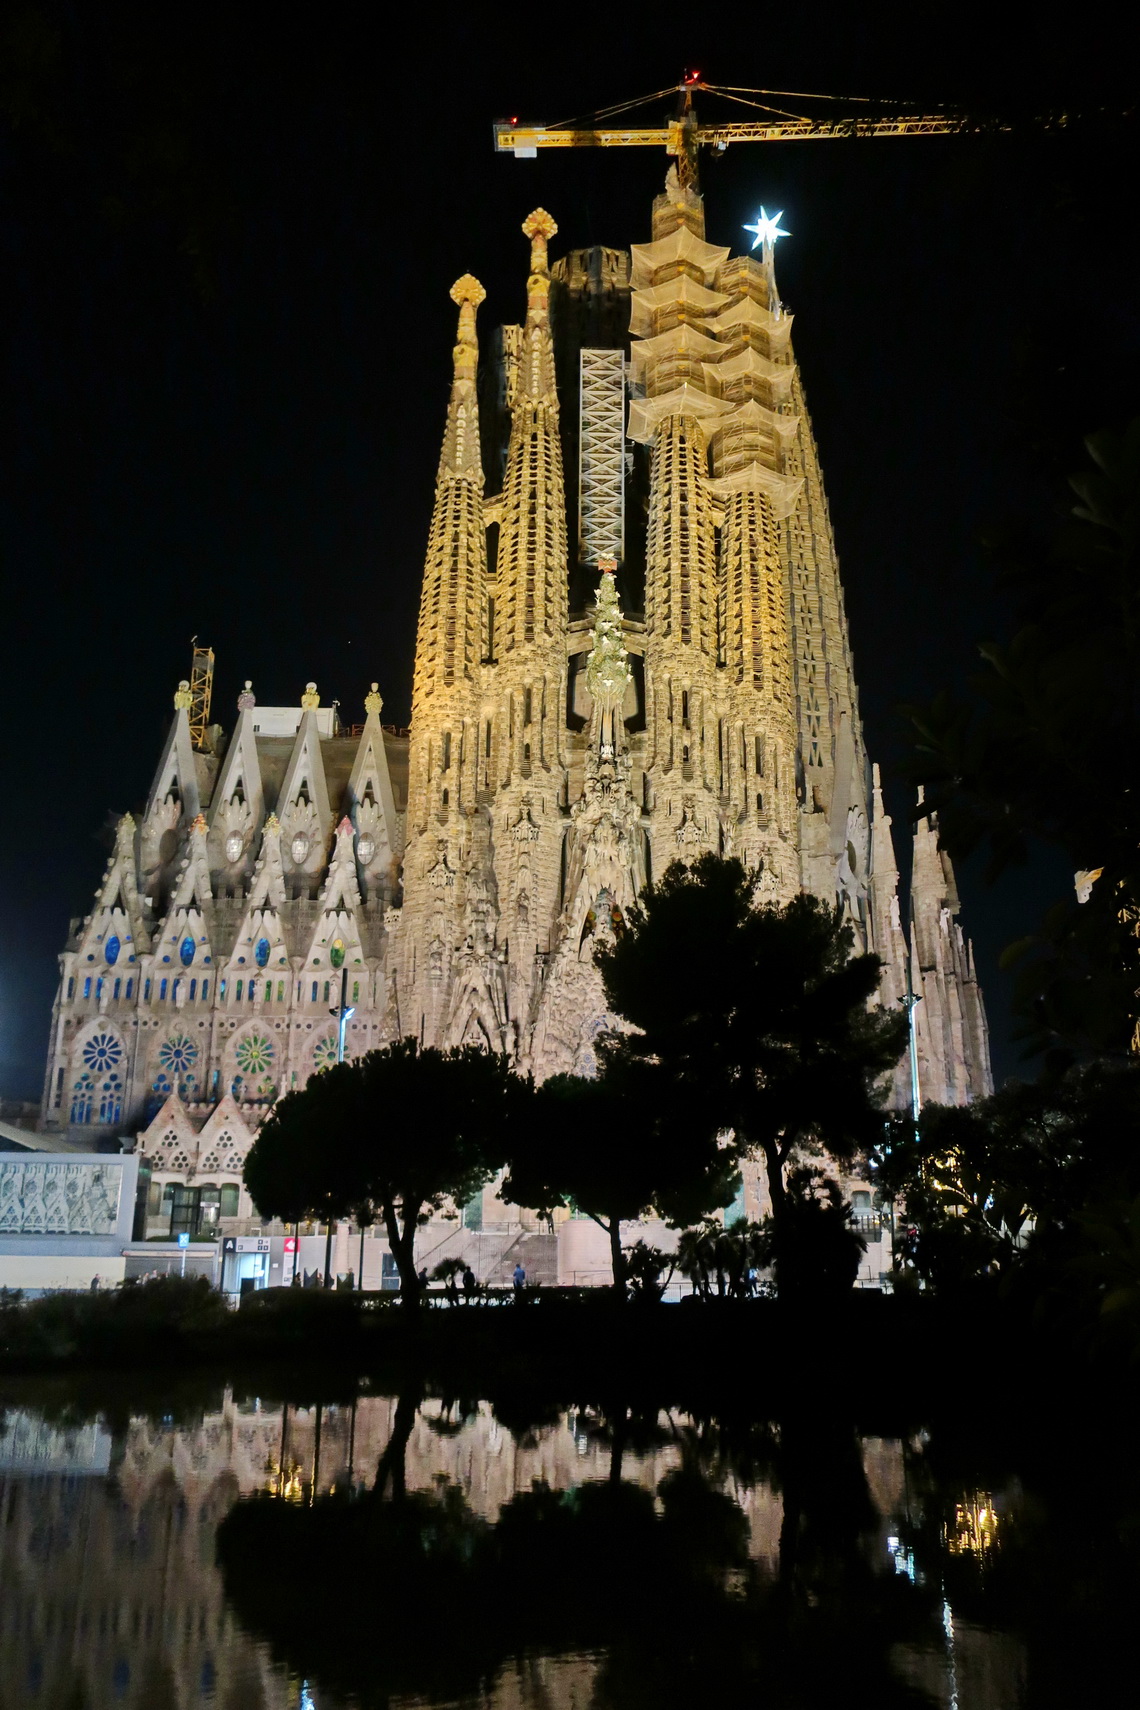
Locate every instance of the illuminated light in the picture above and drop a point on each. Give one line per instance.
(767, 229)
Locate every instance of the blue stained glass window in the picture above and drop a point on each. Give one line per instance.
(186, 951)
(193, 989)
(262, 952)
(240, 986)
(130, 990)
(205, 990)
(162, 991)
(87, 986)
(81, 1099)
(71, 987)
(111, 950)
(115, 993)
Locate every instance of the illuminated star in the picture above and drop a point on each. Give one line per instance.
(767, 230)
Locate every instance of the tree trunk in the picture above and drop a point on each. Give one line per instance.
(617, 1258)
(391, 1466)
(774, 1166)
(403, 1244)
(328, 1252)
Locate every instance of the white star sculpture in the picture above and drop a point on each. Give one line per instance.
(767, 229)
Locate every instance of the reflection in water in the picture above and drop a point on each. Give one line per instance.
(413, 1549)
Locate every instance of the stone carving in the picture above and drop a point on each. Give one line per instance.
(40, 1198)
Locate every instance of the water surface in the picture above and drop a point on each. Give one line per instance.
(240, 1552)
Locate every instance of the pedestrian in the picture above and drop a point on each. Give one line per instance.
(468, 1282)
(519, 1278)
(421, 1277)
(95, 1283)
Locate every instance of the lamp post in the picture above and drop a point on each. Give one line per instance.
(344, 1012)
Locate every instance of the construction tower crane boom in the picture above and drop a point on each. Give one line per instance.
(682, 136)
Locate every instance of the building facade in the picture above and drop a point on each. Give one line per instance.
(631, 649)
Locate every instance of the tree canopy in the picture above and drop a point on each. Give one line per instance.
(1042, 749)
(756, 1019)
(391, 1137)
(600, 1147)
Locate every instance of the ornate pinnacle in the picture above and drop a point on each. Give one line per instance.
(247, 698)
(607, 667)
(310, 700)
(539, 228)
(373, 700)
(272, 826)
(183, 699)
(467, 290)
(199, 827)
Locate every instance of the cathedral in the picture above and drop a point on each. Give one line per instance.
(631, 649)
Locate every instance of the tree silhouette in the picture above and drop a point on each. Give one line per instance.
(391, 1137)
(754, 1020)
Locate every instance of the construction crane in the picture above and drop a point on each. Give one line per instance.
(683, 136)
(201, 693)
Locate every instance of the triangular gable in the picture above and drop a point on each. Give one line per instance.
(171, 1118)
(226, 1118)
(306, 773)
(267, 890)
(117, 913)
(340, 888)
(241, 770)
(190, 915)
(176, 772)
(370, 779)
(260, 923)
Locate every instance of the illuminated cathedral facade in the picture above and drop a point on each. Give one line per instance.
(631, 649)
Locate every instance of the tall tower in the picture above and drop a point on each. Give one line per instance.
(587, 743)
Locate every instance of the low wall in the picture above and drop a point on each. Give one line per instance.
(59, 1270)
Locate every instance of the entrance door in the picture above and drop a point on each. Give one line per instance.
(185, 1211)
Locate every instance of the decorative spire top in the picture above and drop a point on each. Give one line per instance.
(468, 293)
(199, 826)
(272, 826)
(183, 699)
(539, 227)
(346, 828)
(607, 668)
(310, 700)
(247, 699)
(373, 701)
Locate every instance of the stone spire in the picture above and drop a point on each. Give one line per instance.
(532, 538)
(608, 675)
(455, 570)
(950, 1021)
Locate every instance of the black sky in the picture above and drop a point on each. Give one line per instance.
(226, 243)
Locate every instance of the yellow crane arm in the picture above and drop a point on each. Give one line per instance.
(524, 141)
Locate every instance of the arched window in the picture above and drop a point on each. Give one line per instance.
(111, 1099)
(162, 991)
(186, 952)
(159, 1093)
(111, 950)
(82, 1099)
(261, 953)
(228, 1200)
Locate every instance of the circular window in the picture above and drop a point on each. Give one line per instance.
(186, 952)
(336, 952)
(365, 849)
(178, 1053)
(324, 1052)
(255, 1053)
(261, 954)
(111, 951)
(235, 843)
(299, 848)
(102, 1051)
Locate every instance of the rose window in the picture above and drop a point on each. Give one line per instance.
(102, 1051)
(324, 1052)
(365, 849)
(255, 1054)
(178, 1054)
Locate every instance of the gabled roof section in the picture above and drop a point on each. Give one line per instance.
(117, 910)
(370, 774)
(172, 1115)
(241, 769)
(305, 773)
(177, 772)
(226, 1117)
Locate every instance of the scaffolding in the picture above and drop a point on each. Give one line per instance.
(601, 457)
(201, 691)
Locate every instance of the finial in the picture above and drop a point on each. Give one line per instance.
(183, 699)
(199, 827)
(539, 228)
(346, 828)
(608, 566)
(467, 289)
(247, 698)
(373, 701)
(272, 825)
(310, 700)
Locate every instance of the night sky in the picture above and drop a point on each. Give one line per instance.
(226, 243)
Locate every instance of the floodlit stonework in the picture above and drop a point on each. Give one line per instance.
(631, 649)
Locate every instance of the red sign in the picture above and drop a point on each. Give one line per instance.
(290, 1243)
